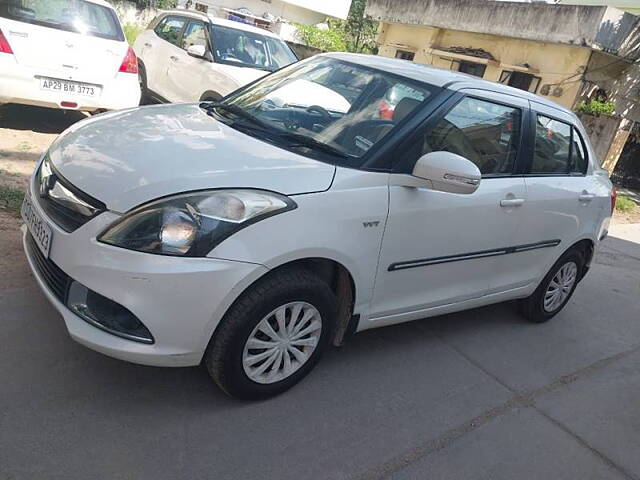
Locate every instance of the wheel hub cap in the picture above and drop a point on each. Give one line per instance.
(282, 342)
(560, 286)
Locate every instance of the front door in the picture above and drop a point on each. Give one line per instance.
(443, 248)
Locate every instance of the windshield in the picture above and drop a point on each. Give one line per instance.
(247, 49)
(331, 108)
(76, 16)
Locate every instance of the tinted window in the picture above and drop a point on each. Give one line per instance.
(578, 154)
(484, 132)
(552, 146)
(71, 15)
(248, 49)
(195, 34)
(170, 28)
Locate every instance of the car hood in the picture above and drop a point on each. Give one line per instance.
(130, 157)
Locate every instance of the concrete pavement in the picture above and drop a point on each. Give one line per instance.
(473, 395)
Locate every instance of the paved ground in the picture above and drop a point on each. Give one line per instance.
(475, 395)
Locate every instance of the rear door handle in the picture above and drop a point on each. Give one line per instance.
(148, 45)
(175, 59)
(512, 202)
(586, 197)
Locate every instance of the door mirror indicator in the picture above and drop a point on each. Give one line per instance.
(198, 51)
(448, 172)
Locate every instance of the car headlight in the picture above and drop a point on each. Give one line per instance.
(193, 224)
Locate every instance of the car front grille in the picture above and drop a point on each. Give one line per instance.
(57, 281)
(62, 202)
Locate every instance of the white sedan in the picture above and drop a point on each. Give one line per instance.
(251, 233)
(69, 54)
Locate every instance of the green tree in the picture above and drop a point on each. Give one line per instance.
(357, 33)
(360, 30)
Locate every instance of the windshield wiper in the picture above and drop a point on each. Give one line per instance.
(310, 142)
(293, 139)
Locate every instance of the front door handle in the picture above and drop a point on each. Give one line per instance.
(586, 197)
(175, 59)
(512, 202)
(148, 45)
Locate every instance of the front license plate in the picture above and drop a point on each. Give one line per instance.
(71, 88)
(37, 226)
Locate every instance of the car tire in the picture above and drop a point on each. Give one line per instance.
(142, 80)
(231, 361)
(550, 298)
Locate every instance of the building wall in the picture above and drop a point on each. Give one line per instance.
(560, 65)
(630, 6)
(277, 8)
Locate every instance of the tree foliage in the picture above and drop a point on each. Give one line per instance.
(355, 34)
(597, 107)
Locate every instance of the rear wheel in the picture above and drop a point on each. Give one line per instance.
(273, 335)
(555, 290)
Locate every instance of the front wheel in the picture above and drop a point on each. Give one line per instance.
(273, 335)
(555, 290)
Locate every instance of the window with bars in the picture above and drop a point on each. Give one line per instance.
(405, 55)
(520, 80)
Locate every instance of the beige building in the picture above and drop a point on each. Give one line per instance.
(567, 53)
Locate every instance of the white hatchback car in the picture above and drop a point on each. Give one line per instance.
(187, 56)
(69, 54)
(250, 235)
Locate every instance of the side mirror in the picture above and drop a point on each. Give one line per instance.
(198, 51)
(448, 172)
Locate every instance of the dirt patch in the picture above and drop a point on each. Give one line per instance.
(631, 217)
(13, 264)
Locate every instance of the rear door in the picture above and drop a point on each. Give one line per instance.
(65, 39)
(562, 207)
(167, 51)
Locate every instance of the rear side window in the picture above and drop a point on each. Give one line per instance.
(77, 16)
(559, 149)
(170, 29)
(579, 160)
(484, 132)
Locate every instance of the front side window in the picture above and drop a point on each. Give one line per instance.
(247, 49)
(194, 34)
(79, 16)
(170, 29)
(326, 107)
(486, 133)
(552, 147)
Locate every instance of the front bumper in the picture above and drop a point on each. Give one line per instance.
(180, 300)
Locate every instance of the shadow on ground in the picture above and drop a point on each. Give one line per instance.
(37, 119)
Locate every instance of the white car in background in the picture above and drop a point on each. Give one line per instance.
(189, 56)
(69, 54)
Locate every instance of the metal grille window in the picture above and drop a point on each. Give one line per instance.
(520, 80)
(405, 55)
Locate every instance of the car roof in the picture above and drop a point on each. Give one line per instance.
(223, 22)
(441, 78)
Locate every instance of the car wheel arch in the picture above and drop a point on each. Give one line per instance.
(334, 273)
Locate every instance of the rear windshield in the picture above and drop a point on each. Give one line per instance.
(77, 16)
(248, 49)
